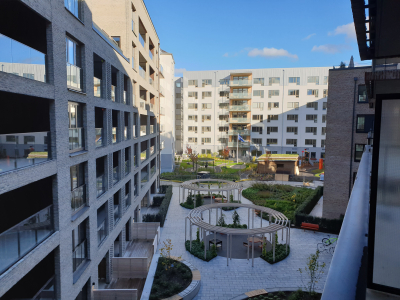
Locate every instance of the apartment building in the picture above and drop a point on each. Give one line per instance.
(167, 112)
(273, 110)
(79, 142)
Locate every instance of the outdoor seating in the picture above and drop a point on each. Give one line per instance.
(218, 243)
(219, 200)
(310, 226)
(246, 244)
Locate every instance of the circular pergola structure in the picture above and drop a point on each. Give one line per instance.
(277, 221)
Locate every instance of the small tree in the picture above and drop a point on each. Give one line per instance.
(221, 221)
(199, 200)
(342, 65)
(193, 156)
(224, 153)
(165, 252)
(236, 219)
(231, 198)
(198, 235)
(313, 271)
(189, 200)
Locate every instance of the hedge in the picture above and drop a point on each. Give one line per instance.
(157, 201)
(198, 250)
(162, 213)
(280, 254)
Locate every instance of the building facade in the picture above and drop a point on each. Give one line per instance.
(179, 119)
(273, 110)
(79, 141)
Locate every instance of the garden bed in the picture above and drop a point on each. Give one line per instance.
(198, 250)
(171, 278)
(296, 295)
(280, 254)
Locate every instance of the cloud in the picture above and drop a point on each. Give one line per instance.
(331, 49)
(226, 54)
(309, 36)
(180, 71)
(271, 53)
(347, 30)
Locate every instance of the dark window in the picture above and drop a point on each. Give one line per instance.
(313, 155)
(322, 154)
(359, 149)
(362, 94)
(365, 123)
(279, 165)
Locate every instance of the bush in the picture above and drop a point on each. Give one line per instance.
(198, 250)
(186, 205)
(151, 218)
(157, 201)
(162, 213)
(280, 254)
(163, 189)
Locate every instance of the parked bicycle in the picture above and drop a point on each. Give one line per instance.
(328, 245)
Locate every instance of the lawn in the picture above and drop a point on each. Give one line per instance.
(317, 172)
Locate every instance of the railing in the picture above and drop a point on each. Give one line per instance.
(151, 129)
(162, 90)
(127, 167)
(241, 132)
(99, 137)
(135, 164)
(76, 138)
(115, 174)
(241, 82)
(143, 156)
(241, 144)
(79, 255)
(101, 233)
(126, 133)
(74, 76)
(114, 135)
(151, 107)
(101, 185)
(113, 93)
(142, 104)
(239, 120)
(239, 108)
(20, 239)
(134, 131)
(13, 53)
(152, 171)
(135, 190)
(144, 179)
(97, 87)
(143, 130)
(133, 100)
(141, 39)
(18, 150)
(142, 72)
(151, 150)
(151, 55)
(127, 201)
(124, 97)
(151, 81)
(239, 96)
(46, 292)
(116, 214)
(78, 198)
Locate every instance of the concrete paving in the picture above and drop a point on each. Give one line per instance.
(219, 281)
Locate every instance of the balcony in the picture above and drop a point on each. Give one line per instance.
(124, 97)
(151, 81)
(142, 72)
(241, 82)
(127, 167)
(239, 120)
(151, 129)
(74, 77)
(152, 150)
(115, 174)
(78, 198)
(162, 92)
(99, 137)
(22, 60)
(151, 55)
(241, 144)
(141, 40)
(162, 71)
(97, 87)
(113, 93)
(143, 156)
(76, 138)
(14, 155)
(241, 132)
(101, 232)
(125, 133)
(143, 130)
(20, 239)
(101, 185)
(134, 131)
(239, 96)
(145, 178)
(79, 255)
(239, 108)
(152, 171)
(114, 135)
(116, 214)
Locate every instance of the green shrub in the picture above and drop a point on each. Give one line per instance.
(157, 201)
(185, 205)
(280, 254)
(198, 250)
(199, 200)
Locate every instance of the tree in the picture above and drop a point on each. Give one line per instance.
(236, 219)
(224, 153)
(193, 156)
(313, 272)
(342, 65)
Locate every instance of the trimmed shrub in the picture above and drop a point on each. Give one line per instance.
(198, 250)
(157, 201)
(162, 213)
(151, 218)
(280, 254)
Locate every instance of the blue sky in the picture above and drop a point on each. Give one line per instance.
(222, 34)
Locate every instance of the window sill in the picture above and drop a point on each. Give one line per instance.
(71, 89)
(79, 213)
(78, 273)
(77, 153)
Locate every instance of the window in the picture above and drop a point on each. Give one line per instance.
(323, 155)
(291, 142)
(256, 153)
(223, 140)
(312, 93)
(362, 94)
(257, 129)
(192, 128)
(178, 95)
(223, 94)
(177, 117)
(206, 106)
(177, 106)
(117, 40)
(257, 141)
(312, 118)
(29, 139)
(205, 151)
(323, 118)
(192, 140)
(273, 118)
(294, 105)
(192, 94)
(224, 81)
(292, 118)
(311, 130)
(324, 105)
(133, 56)
(324, 93)
(323, 132)
(205, 94)
(76, 137)
(205, 118)
(258, 105)
(192, 106)
(258, 93)
(205, 140)
(193, 82)
(322, 143)
(273, 93)
(223, 129)
(313, 79)
(223, 117)
(28, 75)
(272, 141)
(205, 82)
(312, 105)
(295, 80)
(326, 80)
(10, 138)
(258, 118)
(358, 151)
(310, 142)
(280, 165)
(273, 105)
(74, 6)
(273, 80)
(293, 93)
(272, 129)
(258, 81)
(291, 130)
(73, 64)
(177, 127)
(192, 118)
(313, 155)
(205, 129)
(79, 246)
(365, 123)
(224, 105)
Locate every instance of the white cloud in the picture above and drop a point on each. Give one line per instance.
(226, 54)
(347, 30)
(180, 71)
(271, 53)
(309, 36)
(331, 49)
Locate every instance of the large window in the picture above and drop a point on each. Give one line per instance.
(310, 142)
(295, 80)
(258, 118)
(256, 141)
(192, 128)
(206, 140)
(365, 123)
(312, 118)
(205, 94)
(291, 142)
(76, 132)
(272, 141)
(192, 106)
(294, 105)
(274, 80)
(293, 93)
(358, 151)
(205, 82)
(193, 82)
(312, 105)
(272, 129)
(273, 93)
(205, 129)
(258, 81)
(206, 106)
(258, 105)
(192, 94)
(74, 6)
(362, 94)
(74, 71)
(291, 130)
(79, 246)
(78, 187)
(273, 105)
(273, 118)
(311, 130)
(312, 93)
(313, 79)
(292, 118)
(258, 93)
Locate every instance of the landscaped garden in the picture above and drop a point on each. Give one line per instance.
(297, 295)
(163, 203)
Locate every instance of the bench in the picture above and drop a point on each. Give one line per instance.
(310, 226)
(255, 293)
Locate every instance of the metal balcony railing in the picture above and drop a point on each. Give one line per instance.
(127, 167)
(135, 164)
(142, 72)
(79, 255)
(143, 130)
(151, 81)
(99, 137)
(97, 87)
(76, 139)
(113, 93)
(141, 40)
(124, 97)
(143, 155)
(239, 120)
(134, 131)
(144, 178)
(78, 198)
(151, 129)
(74, 76)
(116, 214)
(151, 55)
(152, 171)
(241, 144)
(101, 185)
(127, 200)
(101, 233)
(152, 150)
(125, 133)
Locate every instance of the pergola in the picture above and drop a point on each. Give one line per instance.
(277, 221)
(224, 186)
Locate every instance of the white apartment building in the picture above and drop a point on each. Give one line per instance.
(167, 111)
(276, 110)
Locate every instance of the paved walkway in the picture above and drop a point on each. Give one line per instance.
(219, 281)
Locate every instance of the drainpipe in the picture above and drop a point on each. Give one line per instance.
(352, 134)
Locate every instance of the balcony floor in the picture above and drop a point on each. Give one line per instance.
(139, 248)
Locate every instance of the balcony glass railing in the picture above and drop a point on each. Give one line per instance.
(152, 150)
(241, 132)
(142, 72)
(78, 198)
(101, 233)
(97, 87)
(152, 171)
(143, 155)
(151, 80)
(116, 214)
(239, 120)
(124, 97)
(21, 60)
(127, 167)
(151, 129)
(151, 107)
(239, 95)
(101, 185)
(135, 190)
(141, 39)
(142, 104)
(241, 82)
(23, 237)
(113, 93)
(19, 150)
(79, 255)
(99, 137)
(145, 178)
(127, 201)
(162, 145)
(115, 174)
(241, 144)
(74, 76)
(125, 133)
(143, 130)
(76, 139)
(239, 108)
(162, 92)
(134, 131)
(114, 134)
(135, 164)
(151, 55)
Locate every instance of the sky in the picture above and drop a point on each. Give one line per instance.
(255, 34)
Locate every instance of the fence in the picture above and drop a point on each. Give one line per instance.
(145, 231)
(130, 267)
(120, 294)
